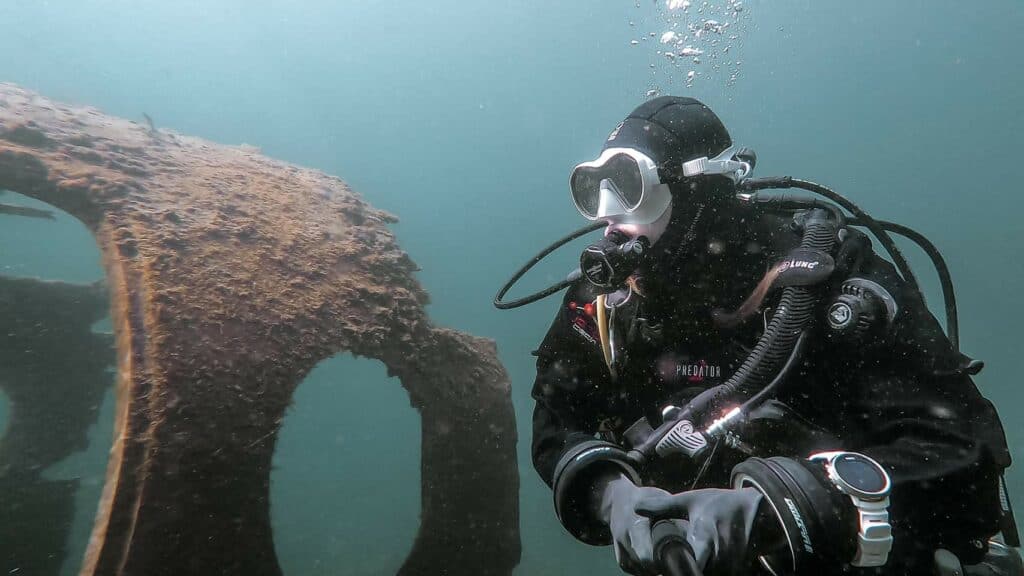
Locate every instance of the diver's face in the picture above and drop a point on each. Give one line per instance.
(652, 231)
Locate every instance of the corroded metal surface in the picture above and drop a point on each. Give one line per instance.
(231, 275)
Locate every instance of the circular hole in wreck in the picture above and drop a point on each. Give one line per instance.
(56, 375)
(345, 488)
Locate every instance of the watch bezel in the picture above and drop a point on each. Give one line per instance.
(829, 460)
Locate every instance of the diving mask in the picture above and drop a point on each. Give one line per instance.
(622, 186)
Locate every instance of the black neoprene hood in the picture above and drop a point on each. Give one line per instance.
(671, 130)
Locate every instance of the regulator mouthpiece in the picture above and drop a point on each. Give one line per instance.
(608, 262)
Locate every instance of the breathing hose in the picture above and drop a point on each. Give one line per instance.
(795, 356)
(576, 274)
(945, 280)
(776, 344)
(782, 182)
(880, 228)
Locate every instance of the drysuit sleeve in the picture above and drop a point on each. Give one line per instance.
(920, 415)
(570, 371)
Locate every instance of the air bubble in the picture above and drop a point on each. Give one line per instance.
(702, 39)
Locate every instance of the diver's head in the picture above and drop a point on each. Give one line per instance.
(641, 175)
(670, 157)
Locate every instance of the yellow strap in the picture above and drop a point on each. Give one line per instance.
(602, 329)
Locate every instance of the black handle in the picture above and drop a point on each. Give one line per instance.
(671, 550)
(677, 561)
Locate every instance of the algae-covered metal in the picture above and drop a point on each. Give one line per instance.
(230, 276)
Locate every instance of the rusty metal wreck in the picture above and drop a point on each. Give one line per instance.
(230, 276)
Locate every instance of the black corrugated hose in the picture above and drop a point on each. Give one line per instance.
(791, 317)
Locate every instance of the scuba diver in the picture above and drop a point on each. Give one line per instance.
(736, 383)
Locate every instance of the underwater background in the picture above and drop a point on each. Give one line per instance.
(464, 119)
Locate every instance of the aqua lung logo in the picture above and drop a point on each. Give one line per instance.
(805, 264)
(804, 535)
(839, 315)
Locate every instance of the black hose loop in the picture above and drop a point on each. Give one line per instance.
(792, 316)
(501, 305)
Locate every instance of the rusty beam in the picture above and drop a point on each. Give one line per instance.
(231, 276)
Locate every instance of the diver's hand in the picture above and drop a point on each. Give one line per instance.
(722, 525)
(631, 531)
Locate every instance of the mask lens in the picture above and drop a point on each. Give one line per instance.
(586, 190)
(625, 173)
(621, 169)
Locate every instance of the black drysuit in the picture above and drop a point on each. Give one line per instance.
(903, 400)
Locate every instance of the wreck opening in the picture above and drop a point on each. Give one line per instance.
(231, 276)
(56, 375)
(328, 447)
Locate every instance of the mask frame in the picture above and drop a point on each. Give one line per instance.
(613, 204)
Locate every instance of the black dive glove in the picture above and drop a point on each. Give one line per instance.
(726, 528)
(631, 531)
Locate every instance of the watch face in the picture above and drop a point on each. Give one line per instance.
(861, 473)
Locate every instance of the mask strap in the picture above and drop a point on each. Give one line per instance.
(725, 164)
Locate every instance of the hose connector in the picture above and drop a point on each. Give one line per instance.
(722, 425)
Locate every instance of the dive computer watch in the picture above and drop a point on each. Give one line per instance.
(867, 484)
